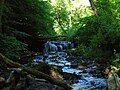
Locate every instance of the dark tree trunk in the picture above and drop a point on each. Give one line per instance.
(93, 7)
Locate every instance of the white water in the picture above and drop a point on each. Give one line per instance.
(86, 82)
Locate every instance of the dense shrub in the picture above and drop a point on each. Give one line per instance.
(11, 47)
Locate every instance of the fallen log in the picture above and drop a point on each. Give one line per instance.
(36, 73)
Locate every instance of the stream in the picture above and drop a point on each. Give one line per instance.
(86, 80)
(83, 77)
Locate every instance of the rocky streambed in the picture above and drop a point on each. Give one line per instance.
(80, 74)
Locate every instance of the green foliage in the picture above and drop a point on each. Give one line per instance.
(11, 47)
(99, 36)
(21, 19)
(96, 36)
(116, 60)
(68, 14)
(31, 17)
(42, 17)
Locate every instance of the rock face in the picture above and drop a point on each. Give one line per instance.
(2, 81)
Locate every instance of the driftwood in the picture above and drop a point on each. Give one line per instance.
(36, 73)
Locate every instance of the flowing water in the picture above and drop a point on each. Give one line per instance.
(86, 79)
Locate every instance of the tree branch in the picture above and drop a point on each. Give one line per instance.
(93, 7)
(38, 74)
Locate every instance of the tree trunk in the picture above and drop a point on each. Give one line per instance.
(38, 74)
(1, 13)
(93, 7)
